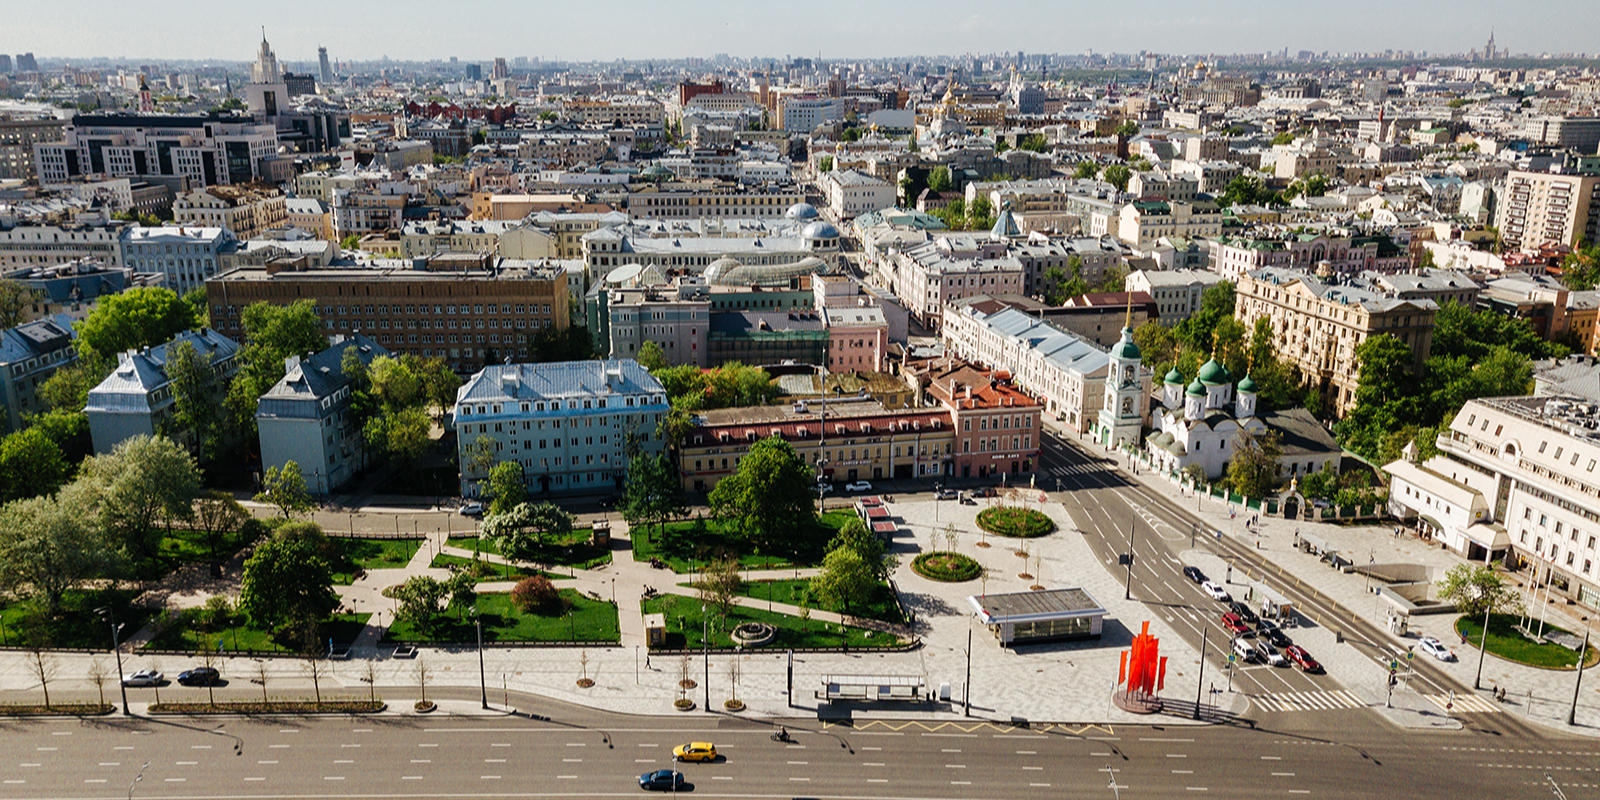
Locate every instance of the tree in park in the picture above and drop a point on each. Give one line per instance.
(272, 334)
(719, 583)
(1476, 590)
(218, 516)
(285, 489)
(30, 464)
(522, 533)
(49, 545)
(652, 357)
(767, 501)
(846, 580)
(463, 590)
(536, 595)
(506, 487)
(140, 317)
(287, 583)
(194, 396)
(653, 493)
(422, 601)
(141, 481)
(401, 434)
(855, 536)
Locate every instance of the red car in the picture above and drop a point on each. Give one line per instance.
(1232, 622)
(1298, 655)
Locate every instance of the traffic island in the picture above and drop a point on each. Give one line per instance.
(1558, 650)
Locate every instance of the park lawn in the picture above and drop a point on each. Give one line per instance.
(495, 571)
(880, 607)
(183, 634)
(570, 550)
(792, 631)
(77, 627)
(691, 545)
(368, 554)
(1505, 642)
(590, 620)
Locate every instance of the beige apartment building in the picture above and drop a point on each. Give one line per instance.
(244, 210)
(1539, 208)
(1317, 327)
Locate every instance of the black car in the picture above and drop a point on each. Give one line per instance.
(1244, 612)
(661, 779)
(1270, 631)
(199, 676)
(1194, 574)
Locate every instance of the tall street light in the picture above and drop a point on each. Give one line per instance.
(1127, 589)
(483, 686)
(110, 617)
(1577, 683)
(705, 650)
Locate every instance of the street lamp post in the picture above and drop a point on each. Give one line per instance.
(110, 617)
(1577, 683)
(705, 650)
(1205, 636)
(1127, 589)
(966, 688)
(483, 686)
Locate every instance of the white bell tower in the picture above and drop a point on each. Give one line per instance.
(1122, 415)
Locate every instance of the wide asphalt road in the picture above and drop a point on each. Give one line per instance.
(571, 752)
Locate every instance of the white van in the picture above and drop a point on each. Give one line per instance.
(1242, 649)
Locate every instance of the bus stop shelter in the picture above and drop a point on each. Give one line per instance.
(1051, 615)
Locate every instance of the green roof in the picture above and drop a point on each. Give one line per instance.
(1174, 377)
(1248, 385)
(1214, 374)
(1196, 389)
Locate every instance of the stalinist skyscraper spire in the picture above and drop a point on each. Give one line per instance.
(1488, 49)
(265, 70)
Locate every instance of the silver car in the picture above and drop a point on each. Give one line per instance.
(144, 677)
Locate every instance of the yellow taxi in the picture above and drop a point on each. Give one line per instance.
(695, 751)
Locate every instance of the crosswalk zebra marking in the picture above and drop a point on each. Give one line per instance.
(1464, 703)
(1308, 701)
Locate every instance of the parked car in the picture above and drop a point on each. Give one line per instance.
(1269, 630)
(695, 751)
(1243, 650)
(858, 486)
(144, 677)
(946, 494)
(1435, 648)
(471, 509)
(822, 487)
(199, 676)
(1298, 655)
(1244, 612)
(1267, 654)
(661, 779)
(1194, 574)
(1216, 592)
(1235, 625)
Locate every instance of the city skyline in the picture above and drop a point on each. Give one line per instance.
(189, 30)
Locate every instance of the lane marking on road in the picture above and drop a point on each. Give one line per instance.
(94, 780)
(577, 744)
(644, 761)
(208, 747)
(1283, 774)
(325, 777)
(179, 763)
(1040, 785)
(411, 777)
(255, 779)
(1299, 791)
(1153, 739)
(274, 746)
(1197, 788)
(799, 763)
(872, 780)
(501, 744)
(872, 764)
(15, 781)
(1095, 755)
(266, 762)
(488, 777)
(111, 763)
(414, 761)
(871, 748)
(123, 747)
(361, 730)
(1177, 755)
(427, 744)
(64, 733)
(494, 761)
(572, 760)
(955, 766)
(566, 777)
(807, 780)
(45, 749)
(36, 765)
(344, 761)
(651, 744)
(1027, 752)
(961, 783)
(177, 780)
(289, 730)
(1272, 758)
(722, 777)
(1033, 768)
(1183, 772)
(191, 747)
(951, 750)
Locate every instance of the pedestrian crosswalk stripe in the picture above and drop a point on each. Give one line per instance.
(1464, 703)
(1307, 701)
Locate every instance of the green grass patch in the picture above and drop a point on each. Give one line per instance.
(589, 621)
(489, 571)
(1506, 642)
(570, 550)
(188, 632)
(691, 545)
(947, 567)
(1021, 523)
(881, 606)
(792, 630)
(351, 556)
(76, 626)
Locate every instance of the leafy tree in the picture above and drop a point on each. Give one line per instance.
(1157, 345)
(768, 500)
(522, 533)
(287, 583)
(1477, 590)
(1425, 261)
(285, 489)
(195, 395)
(463, 589)
(68, 387)
(195, 299)
(1216, 304)
(855, 536)
(140, 481)
(421, 600)
(1128, 129)
(1277, 383)
(719, 583)
(1111, 279)
(825, 164)
(134, 319)
(939, 179)
(1118, 175)
(51, 544)
(1085, 170)
(653, 492)
(1462, 331)
(1033, 142)
(536, 595)
(394, 383)
(1287, 137)
(439, 381)
(1580, 269)
(273, 333)
(218, 516)
(652, 357)
(30, 464)
(478, 457)
(1248, 190)
(1385, 369)
(846, 579)
(506, 487)
(979, 213)
(14, 301)
(1253, 470)
(403, 435)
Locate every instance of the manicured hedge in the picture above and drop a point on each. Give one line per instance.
(947, 567)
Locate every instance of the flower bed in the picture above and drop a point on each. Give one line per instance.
(946, 567)
(55, 709)
(1020, 523)
(273, 707)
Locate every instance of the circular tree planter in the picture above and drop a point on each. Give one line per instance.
(946, 567)
(1017, 523)
(424, 706)
(688, 683)
(584, 683)
(753, 634)
(734, 705)
(683, 705)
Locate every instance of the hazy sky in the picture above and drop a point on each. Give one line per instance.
(483, 29)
